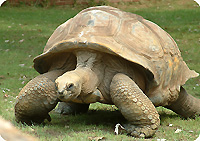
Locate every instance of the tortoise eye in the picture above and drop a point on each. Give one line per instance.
(70, 86)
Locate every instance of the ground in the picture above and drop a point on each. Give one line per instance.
(24, 32)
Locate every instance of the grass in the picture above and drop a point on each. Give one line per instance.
(24, 32)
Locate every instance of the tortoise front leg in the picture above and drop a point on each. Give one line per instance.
(37, 99)
(135, 106)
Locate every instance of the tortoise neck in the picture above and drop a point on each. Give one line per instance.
(88, 79)
(87, 58)
(89, 69)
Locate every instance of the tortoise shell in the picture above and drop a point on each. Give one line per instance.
(130, 36)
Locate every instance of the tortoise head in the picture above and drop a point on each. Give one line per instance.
(68, 86)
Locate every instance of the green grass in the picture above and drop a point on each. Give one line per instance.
(24, 32)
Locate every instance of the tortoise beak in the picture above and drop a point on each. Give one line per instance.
(66, 95)
(60, 92)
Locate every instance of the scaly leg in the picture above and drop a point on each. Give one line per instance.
(135, 106)
(37, 99)
(186, 105)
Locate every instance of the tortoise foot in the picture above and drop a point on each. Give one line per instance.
(140, 131)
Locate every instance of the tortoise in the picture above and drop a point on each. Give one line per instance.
(109, 56)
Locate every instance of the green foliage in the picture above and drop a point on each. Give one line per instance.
(90, 3)
(94, 3)
(24, 32)
(44, 3)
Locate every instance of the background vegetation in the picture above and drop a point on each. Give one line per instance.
(25, 30)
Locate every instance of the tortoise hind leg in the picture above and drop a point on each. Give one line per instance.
(72, 108)
(186, 105)
(135, 106)
(37, 99)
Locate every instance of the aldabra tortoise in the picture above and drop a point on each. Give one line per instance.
(109, 56)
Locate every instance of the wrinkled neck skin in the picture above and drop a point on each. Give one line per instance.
(89, 67)
(84, 79)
